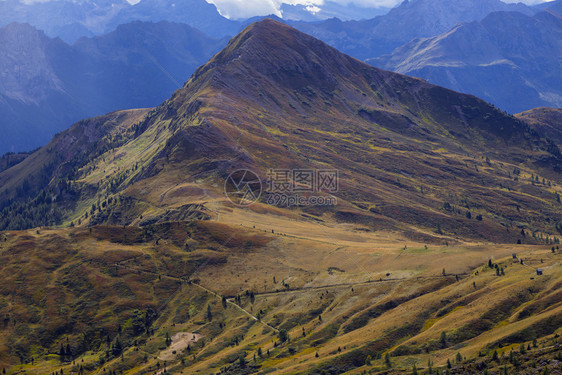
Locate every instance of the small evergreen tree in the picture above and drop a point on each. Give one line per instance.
(443, 339)
(387, 360)
(283, 335)
(209, 313)
(459, 357)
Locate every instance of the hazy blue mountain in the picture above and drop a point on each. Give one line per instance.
(509, 59)
(411, 19)
(71, 20)
(551, 5)
(140, 63)
(33, 98)
(47, 84)
(196, 13)
(329, 10)
(555, 6)
(66, 19)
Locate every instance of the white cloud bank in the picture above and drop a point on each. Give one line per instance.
(235, 9)
(247, 8)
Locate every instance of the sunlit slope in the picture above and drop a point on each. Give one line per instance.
(113, 294)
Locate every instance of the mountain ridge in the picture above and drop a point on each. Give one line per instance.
(241, 110)
(547, 121)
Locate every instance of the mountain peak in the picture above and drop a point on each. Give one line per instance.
(267, 33)
(22, 28)
(279, 52)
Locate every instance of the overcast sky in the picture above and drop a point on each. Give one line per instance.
(249, 8)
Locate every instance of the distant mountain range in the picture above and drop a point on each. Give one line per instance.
(509, 59)
(376, 32)
(196, 13)
(330, 9)
(411, 19)
(71, 20)
(66, 19)
(47, 84)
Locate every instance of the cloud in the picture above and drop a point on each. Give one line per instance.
(247, 8)
(235, 9)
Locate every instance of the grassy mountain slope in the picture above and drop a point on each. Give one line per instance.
(113, 294)
(41, 182)
(546, 121)
(133, 277)
(276, 98)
